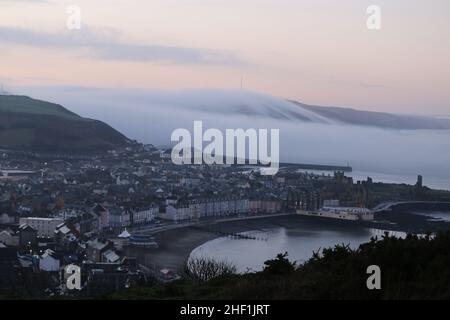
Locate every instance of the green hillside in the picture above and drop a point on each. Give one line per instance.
(23, 104)
(34, 125)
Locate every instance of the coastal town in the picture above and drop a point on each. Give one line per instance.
(101, 212)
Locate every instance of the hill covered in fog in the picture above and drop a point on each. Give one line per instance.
(372, 142)
(227, 103)
(377, 119)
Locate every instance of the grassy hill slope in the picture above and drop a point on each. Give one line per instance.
(34, 125)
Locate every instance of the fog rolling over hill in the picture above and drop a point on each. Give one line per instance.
(376, 142)
(28, 124)
(378, 119)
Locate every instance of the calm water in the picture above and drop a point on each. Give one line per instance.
(436, 215)
(300, 243)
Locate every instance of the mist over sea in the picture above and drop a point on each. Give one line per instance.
(388, 155)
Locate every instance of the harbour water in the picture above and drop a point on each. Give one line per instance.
(435, 215)
(300, 243)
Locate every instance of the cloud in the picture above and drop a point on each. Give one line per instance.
(372, 85)
(22, 1)
(150, 116)
(103, 44)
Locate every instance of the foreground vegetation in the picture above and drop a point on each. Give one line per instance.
(411, 268)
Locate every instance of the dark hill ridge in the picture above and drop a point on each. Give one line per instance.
(28, 124)
(377, 119)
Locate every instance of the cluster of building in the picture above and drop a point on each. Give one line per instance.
(61, 210)
(220, 207)
(332, 209)
(42, 248)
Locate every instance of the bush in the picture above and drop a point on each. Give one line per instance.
(280, 265)
(205, 269)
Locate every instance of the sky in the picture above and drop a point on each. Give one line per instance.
(315, 51)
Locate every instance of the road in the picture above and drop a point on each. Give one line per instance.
(154, 229)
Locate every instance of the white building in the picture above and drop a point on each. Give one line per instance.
(177, 213)
(119, 218)
(9, 238)
(343, 213)
(144, 215)
(196, 209)
(45, 227)
(48, 263)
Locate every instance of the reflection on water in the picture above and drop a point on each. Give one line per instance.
(249, 255)
(436, 215)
